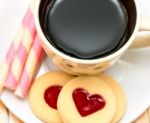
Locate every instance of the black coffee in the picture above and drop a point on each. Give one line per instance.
(86, 29)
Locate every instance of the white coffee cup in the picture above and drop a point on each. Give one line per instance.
(78, 66)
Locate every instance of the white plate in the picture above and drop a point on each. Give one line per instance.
(132, 71)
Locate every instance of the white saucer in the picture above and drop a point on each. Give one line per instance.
(132, 71)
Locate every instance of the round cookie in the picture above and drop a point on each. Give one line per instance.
(86, 99)
(44, 93)
(119, 94)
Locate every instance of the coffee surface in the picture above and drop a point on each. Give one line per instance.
(86, 29)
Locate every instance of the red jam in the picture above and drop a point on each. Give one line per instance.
(86, 103)
(51, 95)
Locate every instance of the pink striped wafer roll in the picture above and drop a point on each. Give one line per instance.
(6, 64)
(32, 64)
(21, 53)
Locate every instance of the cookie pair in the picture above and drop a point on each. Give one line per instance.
(57, 97)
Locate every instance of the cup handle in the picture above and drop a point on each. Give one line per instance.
(142, 40)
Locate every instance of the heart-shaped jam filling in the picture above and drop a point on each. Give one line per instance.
(51, 95)
(86, 103)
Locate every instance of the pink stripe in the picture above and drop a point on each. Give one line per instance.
(22, 53)
(10, 54)
(31, 27)
(39, 62)
(11, 82)
(37, 47)
(27, 16)
(28, 22)
(24, 83)
(42, 56)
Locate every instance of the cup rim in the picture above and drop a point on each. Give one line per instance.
(88, 61)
